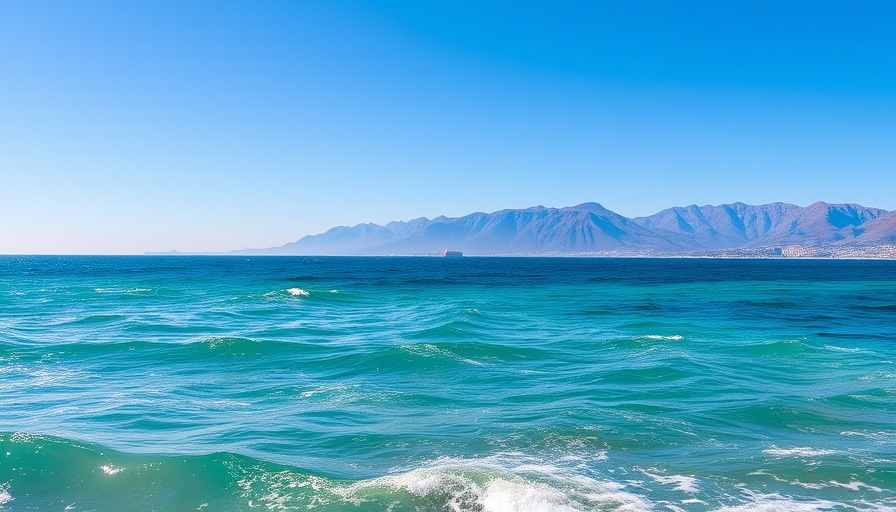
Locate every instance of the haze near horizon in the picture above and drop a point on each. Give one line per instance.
(211, 126)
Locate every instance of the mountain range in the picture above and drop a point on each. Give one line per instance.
(820, 229)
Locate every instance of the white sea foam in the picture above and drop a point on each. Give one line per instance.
(515, 482)
(498, 494)
(23, 437)
(856, 486)
(507, 482)
(676, 508)
(878, 376)
(430, 350)
(122, 290)
(883, 436)
(297, 292)
(833, 348)
(799, 483)
(805, 485)
(799, 451)
(778, 503)
(5, 497)
(682, 483)
(229, 403)
(675, 337)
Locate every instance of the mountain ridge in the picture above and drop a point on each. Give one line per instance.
(820, 229)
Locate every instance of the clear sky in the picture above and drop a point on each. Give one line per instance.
(131, 126)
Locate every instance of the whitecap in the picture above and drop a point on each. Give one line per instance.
(122, 290)
(5, 497)
(674, 337)
(884, 436)
(778, 503)
(798, 451)
(804, 485)
(682, 483)
(430, 350)
(856, 486)
(504, 483)
(833, 348)
(297, 292)
(22, 437)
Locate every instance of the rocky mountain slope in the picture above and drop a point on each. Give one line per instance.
(590, 228)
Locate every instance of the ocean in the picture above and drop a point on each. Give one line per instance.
(446, 384)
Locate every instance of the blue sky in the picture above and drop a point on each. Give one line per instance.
(212, 125)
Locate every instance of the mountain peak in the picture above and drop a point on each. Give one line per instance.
(590, 207)
(589, 228)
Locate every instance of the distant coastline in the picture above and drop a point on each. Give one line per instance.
(735, 231)
(885, 255)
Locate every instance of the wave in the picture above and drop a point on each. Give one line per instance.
(504, 482)
(97, 319)
(42, 472)
(786, 347)
(164, 352)
(53, 471)
(293, 293)
(122, 290)
(799, 451)
(657, 337)
(454, 329)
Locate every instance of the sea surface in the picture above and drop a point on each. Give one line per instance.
(446, 384)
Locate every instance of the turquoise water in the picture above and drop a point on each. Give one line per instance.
(481, 384)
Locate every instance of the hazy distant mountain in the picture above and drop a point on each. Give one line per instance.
(585, 228)
(775, 224)
(355, 240)
(591, 228)
(881, 230)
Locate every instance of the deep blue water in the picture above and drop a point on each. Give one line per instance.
(483, 384)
